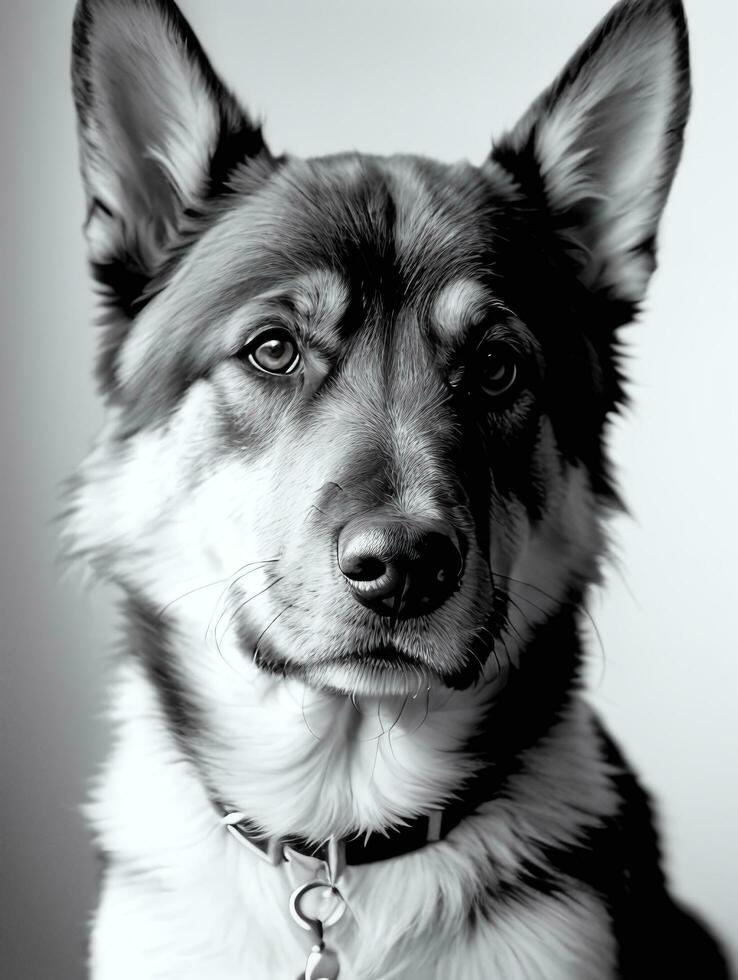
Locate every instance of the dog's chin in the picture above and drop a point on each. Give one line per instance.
(381, 672)
(372, 675)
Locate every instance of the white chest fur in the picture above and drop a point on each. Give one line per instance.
(232, 927)
(183, 900)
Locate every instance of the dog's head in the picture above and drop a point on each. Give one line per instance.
(357, 403)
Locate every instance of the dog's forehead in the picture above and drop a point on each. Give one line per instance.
(397, 232)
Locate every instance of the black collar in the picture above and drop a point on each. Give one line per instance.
(367, 849)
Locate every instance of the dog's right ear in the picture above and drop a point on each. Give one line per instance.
(600, 146)
(159, 134)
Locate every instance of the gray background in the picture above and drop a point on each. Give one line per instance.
(437, 79)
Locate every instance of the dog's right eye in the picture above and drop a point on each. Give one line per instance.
(273, 351)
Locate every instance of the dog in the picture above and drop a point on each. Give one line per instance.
(354, 489)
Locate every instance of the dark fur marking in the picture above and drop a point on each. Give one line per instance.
(622, 861)
(148, 642)
(536, 695)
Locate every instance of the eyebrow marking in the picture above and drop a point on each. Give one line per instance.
(460, 305)
(313, 303)
(320, 299)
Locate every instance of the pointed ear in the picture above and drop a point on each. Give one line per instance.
(600, 147)
(159, 134)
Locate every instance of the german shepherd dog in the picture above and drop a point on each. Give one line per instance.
(353, 486)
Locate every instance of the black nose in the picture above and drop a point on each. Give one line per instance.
(400, 568)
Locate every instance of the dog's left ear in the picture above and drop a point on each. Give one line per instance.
(599, 148)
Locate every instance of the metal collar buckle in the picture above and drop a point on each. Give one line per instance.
(322, 961)
(316, 903)
(272, 850)
(332, 857)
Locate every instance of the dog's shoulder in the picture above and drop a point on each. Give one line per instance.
(655, 935)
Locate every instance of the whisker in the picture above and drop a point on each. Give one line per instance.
(208, 585)
(492, 650)
(379, 716)
(585, 610)
(508, 621)
(198, 588)
(239, 576)
(519, 595)
(397, 719)
(268, 627)
(375, 738)
(221, 603)
(376, 756)
(479, 661)
(242, 605)
(304, 717)
(507, 652)
(422, 720)
(389, 732)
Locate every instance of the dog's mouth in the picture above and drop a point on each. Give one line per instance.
(381, 670)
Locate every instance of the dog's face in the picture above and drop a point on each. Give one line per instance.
(357, 404)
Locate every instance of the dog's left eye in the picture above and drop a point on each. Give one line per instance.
(273, 351)
(500, 370)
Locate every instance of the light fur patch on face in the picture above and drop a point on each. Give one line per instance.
(130, 493)
(420, 223)
(459, 305)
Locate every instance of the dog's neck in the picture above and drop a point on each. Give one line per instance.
(152, 810)
(319, 765)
